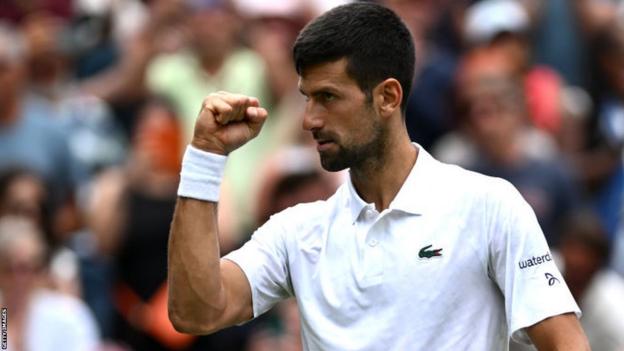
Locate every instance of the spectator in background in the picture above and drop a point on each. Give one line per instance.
(129, 212)
(50, 135)
(133, 33)
(272, 32)
(596, 287)
(215, 60)
(603, 165)
(495, 124)
(503, 26)
(40, 319)
(31, 139)
(477, 65)
(559, 39)
(427, 114)
(95, 140)
(23, 193)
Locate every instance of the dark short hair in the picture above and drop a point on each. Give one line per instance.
(373, 39)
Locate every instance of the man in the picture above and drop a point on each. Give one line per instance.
(409, 254)
(38, 318)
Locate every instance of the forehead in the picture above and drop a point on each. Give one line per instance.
(326, 75)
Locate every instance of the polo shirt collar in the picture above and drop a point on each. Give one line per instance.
(412, 196)
(356, 204)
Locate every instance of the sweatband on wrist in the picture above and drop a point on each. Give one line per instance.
(201, 174)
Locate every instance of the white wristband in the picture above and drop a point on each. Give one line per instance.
(201, 174)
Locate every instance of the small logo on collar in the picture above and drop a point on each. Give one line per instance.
(426, 253)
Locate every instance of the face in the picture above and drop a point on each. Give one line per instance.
(21, 266)
(492, 116)
(347, 130)
(25, 196)
(209, 42)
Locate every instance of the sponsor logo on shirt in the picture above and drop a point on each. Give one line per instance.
(551, 279)
(534, 261)
(426, 253)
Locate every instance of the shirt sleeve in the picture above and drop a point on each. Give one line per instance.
(264, 260)
(521, 264)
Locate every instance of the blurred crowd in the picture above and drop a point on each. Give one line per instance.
(98, 99)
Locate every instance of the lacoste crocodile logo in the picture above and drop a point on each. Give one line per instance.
(426, 253)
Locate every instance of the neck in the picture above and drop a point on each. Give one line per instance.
(212, 62)
(379, 180)
(507, 152)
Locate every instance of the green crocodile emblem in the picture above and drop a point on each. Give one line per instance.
(426, 253)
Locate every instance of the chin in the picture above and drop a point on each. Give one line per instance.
(333, 164)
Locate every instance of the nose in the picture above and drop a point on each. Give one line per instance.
(312, 117)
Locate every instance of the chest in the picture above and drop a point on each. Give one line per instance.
(394, 260)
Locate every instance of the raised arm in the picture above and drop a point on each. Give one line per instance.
(206, 293)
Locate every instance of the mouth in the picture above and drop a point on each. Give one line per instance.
(323, 145)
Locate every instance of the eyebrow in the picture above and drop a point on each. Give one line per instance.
(322, 89)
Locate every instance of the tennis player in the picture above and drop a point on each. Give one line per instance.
(408, 254)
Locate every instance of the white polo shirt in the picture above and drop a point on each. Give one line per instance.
(457, 262)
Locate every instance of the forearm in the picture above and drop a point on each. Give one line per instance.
(196, 293)
(205, 294)
(563, 332)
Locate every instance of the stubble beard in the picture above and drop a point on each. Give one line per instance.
(358, 157)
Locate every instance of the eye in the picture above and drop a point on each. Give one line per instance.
(326, 96)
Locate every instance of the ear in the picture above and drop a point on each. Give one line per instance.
(387, 97)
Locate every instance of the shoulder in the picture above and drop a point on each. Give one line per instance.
(173, 60)
(169, 68)
(244, 59)
(457, 180)
(490, 202)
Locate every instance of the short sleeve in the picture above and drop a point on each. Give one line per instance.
(521, 264)
(264, 260)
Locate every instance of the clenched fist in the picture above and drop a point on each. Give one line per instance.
(226, 121)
